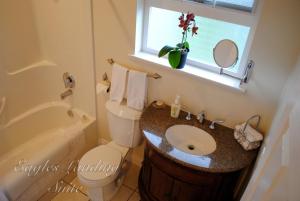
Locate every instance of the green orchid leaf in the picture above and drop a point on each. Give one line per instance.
(174, 58)
(179, 45)
(186, 45)
(165, 50)
(183, 45)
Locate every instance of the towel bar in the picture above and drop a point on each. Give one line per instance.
(152, 75)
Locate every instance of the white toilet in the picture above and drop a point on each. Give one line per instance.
(94, 168)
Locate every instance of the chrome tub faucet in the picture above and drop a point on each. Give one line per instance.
(65, 94)
(69, 82)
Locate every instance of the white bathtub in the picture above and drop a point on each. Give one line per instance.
(37, 148)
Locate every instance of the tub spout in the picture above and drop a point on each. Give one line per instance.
(65, 94)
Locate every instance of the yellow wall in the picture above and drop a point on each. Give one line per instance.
(274, 51)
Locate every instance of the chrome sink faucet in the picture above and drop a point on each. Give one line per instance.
(201, 117)
(188, 116)
(212, 125)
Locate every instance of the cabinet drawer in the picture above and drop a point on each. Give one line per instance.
(160, 185)
(190, 192)
(179, 172)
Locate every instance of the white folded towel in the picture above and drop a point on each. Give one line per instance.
(251, 134)
(137, 90)
(248, 138)
(244, 142)
(118, 83)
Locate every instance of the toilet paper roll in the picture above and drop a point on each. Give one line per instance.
(101, 88)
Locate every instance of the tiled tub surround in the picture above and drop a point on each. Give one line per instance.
(39, 147)
(229, 155)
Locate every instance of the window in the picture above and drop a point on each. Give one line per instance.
(243, 5)
(216, 19)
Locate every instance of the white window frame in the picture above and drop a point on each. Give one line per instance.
(209, 11)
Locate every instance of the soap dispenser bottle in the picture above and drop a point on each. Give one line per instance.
(175, 107)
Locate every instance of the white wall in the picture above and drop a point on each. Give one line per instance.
(65, 33)
(276, 176)
(19, 38)
(2, 95)
(274, 52)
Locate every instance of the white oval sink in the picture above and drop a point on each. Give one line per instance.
(191, 139)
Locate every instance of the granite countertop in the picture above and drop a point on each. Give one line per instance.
(229, 156)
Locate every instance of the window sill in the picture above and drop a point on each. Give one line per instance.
(223, 80)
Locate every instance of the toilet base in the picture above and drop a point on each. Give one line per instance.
(105, 193)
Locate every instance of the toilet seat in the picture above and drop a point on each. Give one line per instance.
(99, 166)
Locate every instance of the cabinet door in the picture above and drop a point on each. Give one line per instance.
(160, 186)
(188, 192)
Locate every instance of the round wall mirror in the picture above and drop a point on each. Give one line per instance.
(226, 53)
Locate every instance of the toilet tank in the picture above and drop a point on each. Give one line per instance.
(123, 124)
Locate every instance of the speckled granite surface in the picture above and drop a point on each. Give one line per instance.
(229, 155)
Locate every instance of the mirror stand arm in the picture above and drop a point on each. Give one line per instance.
(248, 72)
(221, 71)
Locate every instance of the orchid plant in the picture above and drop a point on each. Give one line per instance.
(177, 55)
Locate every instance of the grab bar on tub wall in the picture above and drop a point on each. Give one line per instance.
(2, 104)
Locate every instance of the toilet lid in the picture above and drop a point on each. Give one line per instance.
(99, 163)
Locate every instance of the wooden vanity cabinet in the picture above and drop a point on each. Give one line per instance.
(161, 179)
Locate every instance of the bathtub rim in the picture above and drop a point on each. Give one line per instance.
(44, 106)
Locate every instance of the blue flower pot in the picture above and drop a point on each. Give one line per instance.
(183, 58)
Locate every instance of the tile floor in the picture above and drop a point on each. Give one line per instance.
(127, 192)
